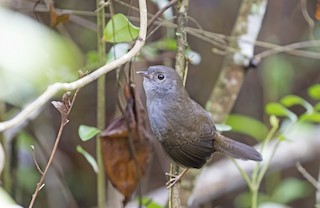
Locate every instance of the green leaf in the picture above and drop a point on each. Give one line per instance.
(291, 100)
(282, 138)
(87, 132)
(312, 117)
(243, 200)
(291, 189)
(168, 44)
(40, 57)
(248, 126)
(92, 57)
(89, 158)
(314, 91)
(149, 203)
(279, 110)
(317, 107)
(120, 29)
(276, 109)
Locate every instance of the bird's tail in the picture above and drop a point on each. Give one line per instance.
(235, 149)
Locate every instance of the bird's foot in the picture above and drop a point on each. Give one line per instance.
(174, 178)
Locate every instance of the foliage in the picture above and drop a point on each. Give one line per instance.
(289, 189)
(120, 29)
(32, 57)
(240, 124)
(89, 158)
(149, 203)
(87, 132)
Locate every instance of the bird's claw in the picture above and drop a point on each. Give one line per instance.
(173, 180)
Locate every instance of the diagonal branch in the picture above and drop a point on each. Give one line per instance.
(247, 27)
(55, 88)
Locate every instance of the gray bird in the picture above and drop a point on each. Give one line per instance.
(184, 129)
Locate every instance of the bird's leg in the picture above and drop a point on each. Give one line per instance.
(175, 178)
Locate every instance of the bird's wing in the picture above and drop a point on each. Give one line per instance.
(196, 146)
(192, 155)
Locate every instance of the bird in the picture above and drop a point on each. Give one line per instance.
(184, 129)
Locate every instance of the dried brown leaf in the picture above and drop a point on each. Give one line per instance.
(126, 146)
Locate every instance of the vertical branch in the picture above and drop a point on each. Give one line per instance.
(180, 66)
(101, 187)
(247, 27)
(181, 37)
(318, 191)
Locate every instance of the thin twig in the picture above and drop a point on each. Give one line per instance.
(55, 88)
(170, 4)
(307, 175)
(290, 48)
(40, 183)
(307, 17)
(35, 160)
(215, 39)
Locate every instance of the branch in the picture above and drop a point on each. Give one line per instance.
(101, 48)
(247, 27)
(55, 88)
(307, 175)
(155, 17)
(180, 66)
(64, 108)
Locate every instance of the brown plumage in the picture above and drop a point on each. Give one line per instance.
(184, 129)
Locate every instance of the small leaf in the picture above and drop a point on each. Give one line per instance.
(314, 91)
(279, 110)
(149, 203)
(119, 29)
(312, 117)
(92, 57)
(168, 44)
(274, 121)
(89, 158)
(87, 132)
(240, 123)
(317, 107)
(282, 138)
(276, 109)
(291, 189)
(291, 100)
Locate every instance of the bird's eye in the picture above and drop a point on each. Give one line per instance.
(160, 76)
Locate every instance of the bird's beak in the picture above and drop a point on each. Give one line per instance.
(144, 74)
